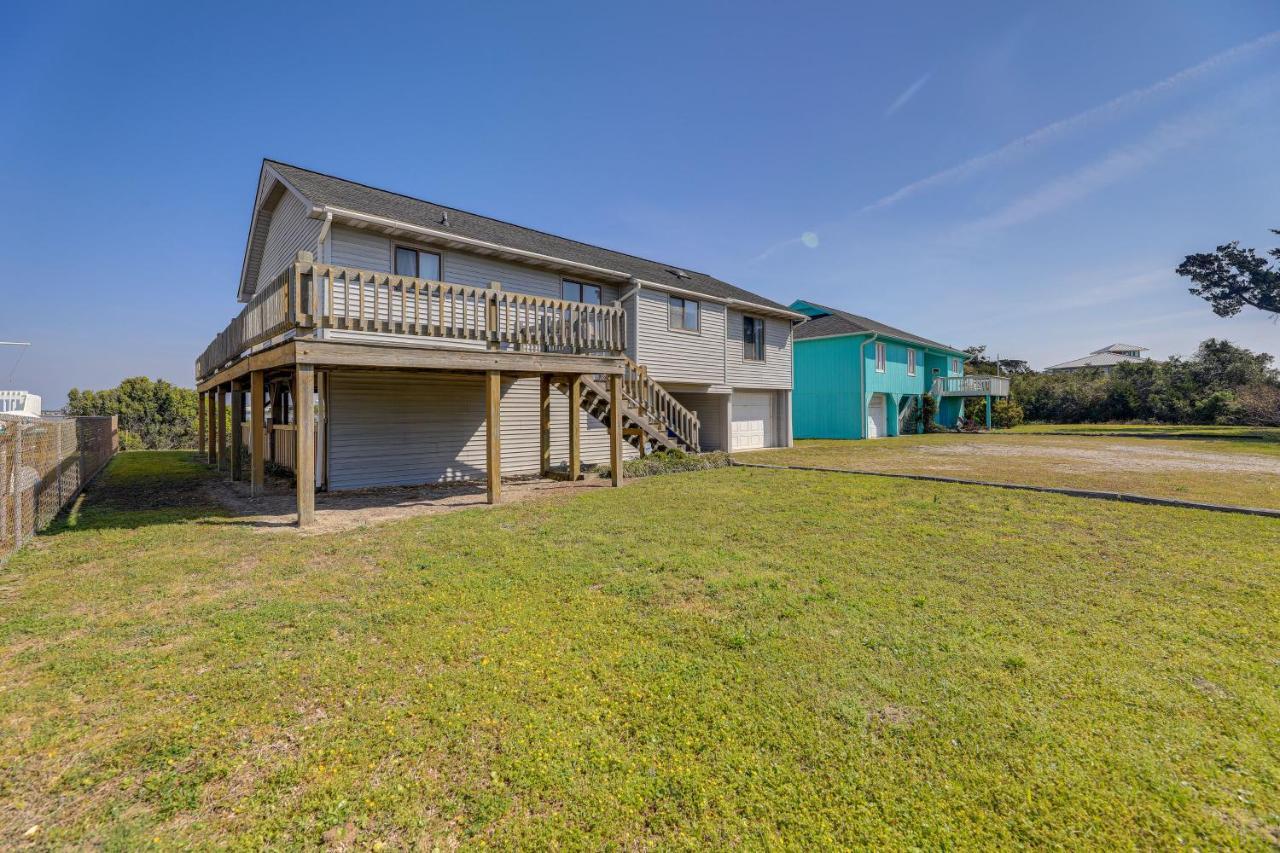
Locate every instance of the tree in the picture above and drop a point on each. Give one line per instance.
(152, 415)
(1230, 278)
(979, 364)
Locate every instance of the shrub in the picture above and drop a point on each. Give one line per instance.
(1006, 414)
(928, 413)
(670, 462)
(1258, 404)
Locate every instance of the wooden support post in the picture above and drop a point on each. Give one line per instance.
(237, 430)
(257, 437)
(204, 424)
(615, 428)
(493, 432)
(575, 427)
(304, 418)
(211, 408)
(544, 424)
(220, 427)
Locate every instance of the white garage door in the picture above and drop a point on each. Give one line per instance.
(752, 419)
(875, 417)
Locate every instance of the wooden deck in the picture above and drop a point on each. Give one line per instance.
(281, 347)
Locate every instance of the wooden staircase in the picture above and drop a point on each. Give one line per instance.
(651, 418)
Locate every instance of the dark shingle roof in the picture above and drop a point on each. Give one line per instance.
(321, 189)
(837, 322)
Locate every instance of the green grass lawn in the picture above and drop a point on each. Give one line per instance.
(734, 657)
(1236, 470)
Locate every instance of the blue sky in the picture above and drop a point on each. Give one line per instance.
(1024, 176)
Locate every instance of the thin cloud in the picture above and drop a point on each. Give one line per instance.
(901, 100)
(1120, 163)
(1051, 131)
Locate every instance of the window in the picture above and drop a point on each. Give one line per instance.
(682, 313)
(417, 264)
(576, 291)
(911, 362)
(880, 357)
(955, 367)
(753, 339)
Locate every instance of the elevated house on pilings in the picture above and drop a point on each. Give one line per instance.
(387, 340)
(859, 378)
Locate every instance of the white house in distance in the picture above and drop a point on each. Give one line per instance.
(1104, 359)
(433, 345)
(20, 404)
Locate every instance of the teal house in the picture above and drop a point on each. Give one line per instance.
(857, 378)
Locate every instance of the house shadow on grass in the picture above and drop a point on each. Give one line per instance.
(145, 488)
(140, 489)
(348, 509)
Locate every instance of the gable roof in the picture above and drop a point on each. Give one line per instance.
(323, 191)
(1101, 358)
(832, 321)
(1119, 348)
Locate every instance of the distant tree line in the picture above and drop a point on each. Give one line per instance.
(153, 415)
(1220, 384)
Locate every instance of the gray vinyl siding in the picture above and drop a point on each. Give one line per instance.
(290, 231)
(350, 247)
(775, 370)
(388, 428)
(711, 410)
(679, 356)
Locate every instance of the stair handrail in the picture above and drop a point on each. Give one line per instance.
(652, 401)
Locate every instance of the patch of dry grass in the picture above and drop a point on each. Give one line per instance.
(1238, 472)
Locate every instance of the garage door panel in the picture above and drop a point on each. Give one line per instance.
(753, 420)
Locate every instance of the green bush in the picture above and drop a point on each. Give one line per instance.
(670, 462)
(153, 415)
(1006, 414)
(1220, 384)
(927, 412)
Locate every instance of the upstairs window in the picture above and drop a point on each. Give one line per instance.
(880, 357)
(911, 362)
(753, 339)
(955, 367)
(417, 264)
(682, 314)
(576, 291)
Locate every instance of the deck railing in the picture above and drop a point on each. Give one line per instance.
(656, 403)
(971, 386)
(309, 295)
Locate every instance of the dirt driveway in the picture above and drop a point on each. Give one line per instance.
(1198, 470)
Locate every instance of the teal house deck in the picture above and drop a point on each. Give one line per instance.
(858, 378)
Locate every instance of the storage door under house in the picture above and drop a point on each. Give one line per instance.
(876, 417)
(752, 419)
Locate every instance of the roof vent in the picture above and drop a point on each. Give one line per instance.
(681, 274)
(444, 219)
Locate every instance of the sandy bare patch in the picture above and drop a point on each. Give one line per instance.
(1111, 457)
(345, 510)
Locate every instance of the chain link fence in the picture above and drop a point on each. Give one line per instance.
(44, 463)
